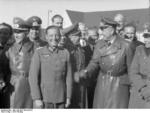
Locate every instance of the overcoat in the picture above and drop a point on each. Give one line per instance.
(112, 62)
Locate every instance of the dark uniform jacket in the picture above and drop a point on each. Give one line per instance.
(51, 75)
(113, 62)
(139, 76)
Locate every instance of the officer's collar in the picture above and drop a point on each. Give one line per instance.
(52, 49)
(116, 42)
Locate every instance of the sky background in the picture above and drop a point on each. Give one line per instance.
(26, 8)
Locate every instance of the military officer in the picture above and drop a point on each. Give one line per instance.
(140, 76)
(51, 74)
(35, 32)
(5, 34)
(19, 61)
(112, 57)
(77, 54)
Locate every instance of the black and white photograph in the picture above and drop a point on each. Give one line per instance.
(74, 54)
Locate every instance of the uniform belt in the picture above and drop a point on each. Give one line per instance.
(111, 73)
(19, 73)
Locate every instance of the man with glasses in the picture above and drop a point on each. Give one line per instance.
(112, 57)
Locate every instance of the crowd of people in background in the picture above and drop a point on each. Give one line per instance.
(107, 66)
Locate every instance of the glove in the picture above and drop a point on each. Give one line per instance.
(38, 104)
(77, 77)
(67, 103)
(145, 93)
(83, 74)
(2, 84)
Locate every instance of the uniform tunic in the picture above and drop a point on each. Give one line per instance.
(19, 61)
(19, 56)
(51, 75)
(139, 75)
(112, 62)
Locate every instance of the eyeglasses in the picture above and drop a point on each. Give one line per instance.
(103, 28)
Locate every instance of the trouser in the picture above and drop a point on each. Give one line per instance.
(90, 95)
(54, 105)
(4, 100)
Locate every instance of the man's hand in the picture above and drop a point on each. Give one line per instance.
(77, 77)
(2, 84)
(67, 103)
(38, 104)
(83, 73)
(145, 93)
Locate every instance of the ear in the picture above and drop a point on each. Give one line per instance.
(46, 37)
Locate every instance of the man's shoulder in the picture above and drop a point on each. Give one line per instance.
(140, 48)
(99, 43)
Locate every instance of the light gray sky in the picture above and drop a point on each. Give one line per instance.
(27, 8)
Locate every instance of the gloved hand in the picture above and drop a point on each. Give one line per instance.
(145, 93)
(83, 74)
(38, 104)
(77, 77)
(2, 84)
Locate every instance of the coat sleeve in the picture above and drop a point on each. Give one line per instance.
(129, 57)
(134, 73)
(34, 75)
(93, 66)
(69, 76)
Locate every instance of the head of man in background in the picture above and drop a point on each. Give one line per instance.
(92, 35)
(57, 20)
(35, 27)
(120, 19)
(129, 32)
(6, 32)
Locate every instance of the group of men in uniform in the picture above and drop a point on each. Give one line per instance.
(70, 68)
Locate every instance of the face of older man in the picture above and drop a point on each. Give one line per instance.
(119, 18)
(107, 32)
(92, 36)
(129, 33)
(53, 37)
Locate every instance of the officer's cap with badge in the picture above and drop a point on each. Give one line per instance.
(106, 22)
(34, 22)
(20, 25)
(74, 33)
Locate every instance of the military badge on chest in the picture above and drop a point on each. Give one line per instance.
(18, 60)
